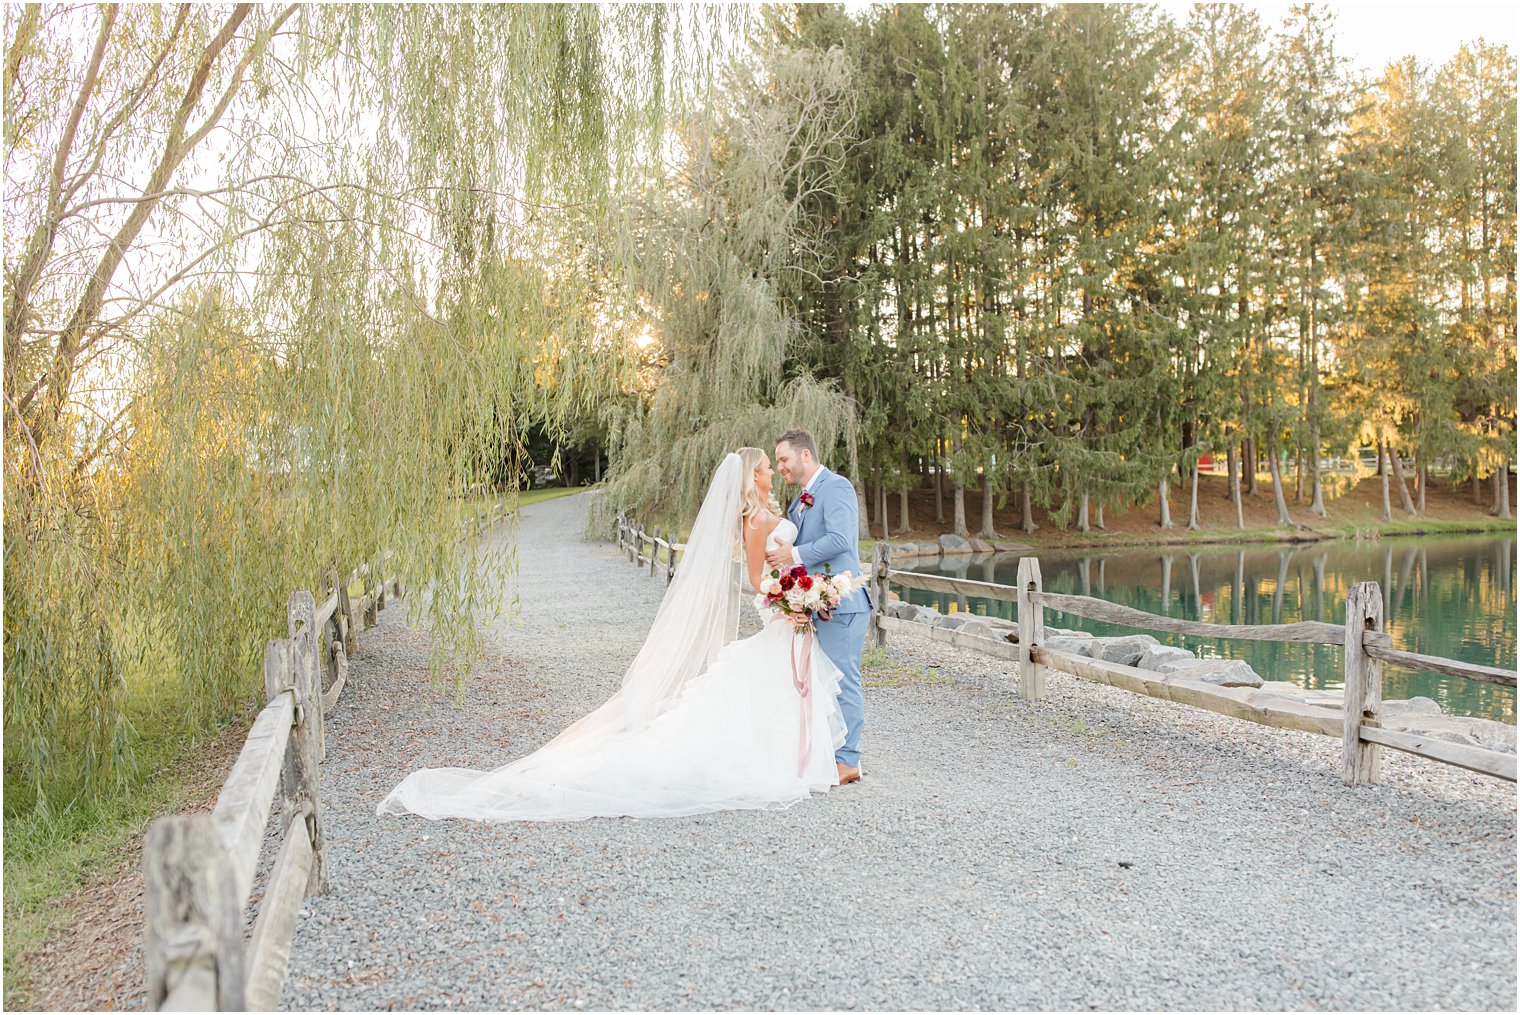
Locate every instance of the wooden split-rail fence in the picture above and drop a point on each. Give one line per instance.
(643, 548)
(1367, 650)
(199, 869)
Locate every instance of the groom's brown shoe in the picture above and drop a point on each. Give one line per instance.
(847, 773)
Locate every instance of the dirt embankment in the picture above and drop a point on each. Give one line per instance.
(1358, 510)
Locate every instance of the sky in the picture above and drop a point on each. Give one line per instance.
(1373, 34)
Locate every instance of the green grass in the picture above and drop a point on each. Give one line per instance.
(52, 853)
(543, 493)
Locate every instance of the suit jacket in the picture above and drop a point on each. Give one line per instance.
(829, 531)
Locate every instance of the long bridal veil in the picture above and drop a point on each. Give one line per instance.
(697, 618)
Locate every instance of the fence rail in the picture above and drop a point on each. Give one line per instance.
(1367, 649)
(644, 547)
(199, 869)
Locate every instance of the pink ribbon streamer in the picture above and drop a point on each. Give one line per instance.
(802, 679)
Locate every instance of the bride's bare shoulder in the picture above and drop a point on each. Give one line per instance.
(761, 523)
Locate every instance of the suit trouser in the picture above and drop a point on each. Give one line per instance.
(842, 640)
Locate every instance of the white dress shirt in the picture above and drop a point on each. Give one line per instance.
(796, 553)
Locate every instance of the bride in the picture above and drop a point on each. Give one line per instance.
(701, 722)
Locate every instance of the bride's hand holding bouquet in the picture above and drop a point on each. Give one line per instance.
(802, 598)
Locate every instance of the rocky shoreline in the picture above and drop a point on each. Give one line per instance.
(1415, 715)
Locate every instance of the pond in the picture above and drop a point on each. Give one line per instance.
(1451, 596)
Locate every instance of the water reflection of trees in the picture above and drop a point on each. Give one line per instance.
(1449, 597)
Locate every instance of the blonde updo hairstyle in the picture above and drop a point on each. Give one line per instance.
(751, 502)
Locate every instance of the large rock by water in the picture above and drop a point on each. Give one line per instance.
(1127, 650)
(1224, 672)
(950, 543)
(1153, 657)
(991, 627)
(1078, 644)
(909, 611)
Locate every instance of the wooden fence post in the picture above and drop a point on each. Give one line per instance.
(881, 563)
(1362, 761)
(1031, 630)
(192, 924)
(302, 614)
(283, 671)
(346, 609)
(654, 551)
(371, 610)
(333, 630)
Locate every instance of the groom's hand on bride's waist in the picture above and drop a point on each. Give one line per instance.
(781, 556)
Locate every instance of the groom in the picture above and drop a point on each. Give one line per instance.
(827, 517)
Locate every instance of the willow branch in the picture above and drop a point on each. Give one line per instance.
(174, 151)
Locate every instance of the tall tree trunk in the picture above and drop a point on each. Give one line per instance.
(1383, 471)
(1232, 485)
(1317, 505)
(1283, 518)
(1082, 525)
(881, 504)
(1421, 481)
(1026, 508)
(904, 525)
(1248, 464)
(1098, 520)
(939, 480)
(1398, 476)
(1240, 517)
(596, 463)
(1501, 486)
(988, 531)
(1477, 488)
(863, 527)
(1166, 507)
(1193, 500)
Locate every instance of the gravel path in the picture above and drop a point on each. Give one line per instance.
(1095, 850)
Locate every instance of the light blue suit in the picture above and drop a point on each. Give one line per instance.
(828, 533)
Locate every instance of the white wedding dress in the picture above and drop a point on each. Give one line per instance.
(727, 738)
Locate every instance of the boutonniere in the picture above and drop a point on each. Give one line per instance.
(806, 499)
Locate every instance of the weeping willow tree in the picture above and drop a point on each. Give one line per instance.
(281, 293)
(725, 238)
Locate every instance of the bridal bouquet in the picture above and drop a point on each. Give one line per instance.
(804, 598)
